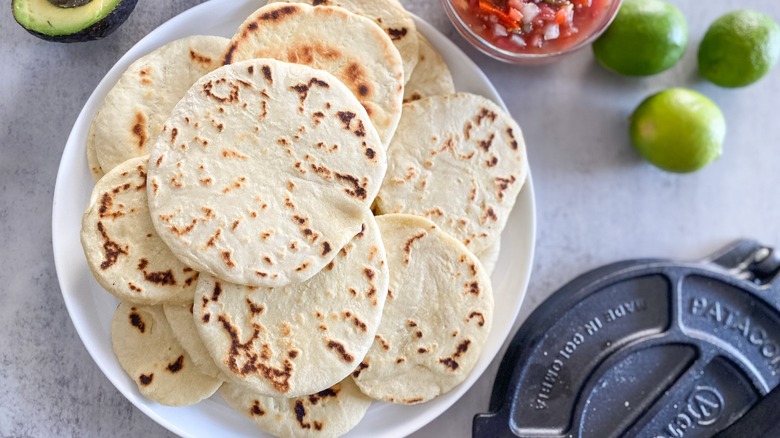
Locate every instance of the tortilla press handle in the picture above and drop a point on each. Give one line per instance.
(492, 425)
(751, 261)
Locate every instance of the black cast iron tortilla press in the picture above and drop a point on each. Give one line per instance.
(648, 348)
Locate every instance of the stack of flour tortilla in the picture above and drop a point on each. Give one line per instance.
(305, 215)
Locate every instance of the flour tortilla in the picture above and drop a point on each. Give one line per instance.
(489, 257)
(148, 352)
(326, 414)
(121, 246)
(351, 47)
(134, 111)
(391, 16)
(94, 166)
(458, 160)
(182, 323)
(437, 316)
(264, 171)
(300, 339)
(432, 78)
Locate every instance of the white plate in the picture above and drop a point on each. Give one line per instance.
(91, 308)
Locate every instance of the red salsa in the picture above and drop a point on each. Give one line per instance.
(532, 26)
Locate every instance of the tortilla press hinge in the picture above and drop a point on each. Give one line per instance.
(759, 265)
(750, 261)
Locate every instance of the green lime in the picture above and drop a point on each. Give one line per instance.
(678, 130)
(739, 48)
(646, 37)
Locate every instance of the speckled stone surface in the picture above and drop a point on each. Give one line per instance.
(597, 201)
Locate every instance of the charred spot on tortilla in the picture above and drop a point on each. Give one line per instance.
(359, 369)
(397, 34)
(221, 91)
(136, 321)
(279, 14)
(139, 129)
(339, 347)
(111, 250)
(146, 379)
(254, 308)
(176, 366)
(200, 58)
(256, 410)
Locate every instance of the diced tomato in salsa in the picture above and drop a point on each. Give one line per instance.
(533, 26)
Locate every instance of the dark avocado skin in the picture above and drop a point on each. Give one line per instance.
(98, 30)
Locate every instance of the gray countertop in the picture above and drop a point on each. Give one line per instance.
(597, 201)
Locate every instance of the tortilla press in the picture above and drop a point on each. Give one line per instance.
(648, 348)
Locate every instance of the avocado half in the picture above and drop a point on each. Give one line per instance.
(69, 21)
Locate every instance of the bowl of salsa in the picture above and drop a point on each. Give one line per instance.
(530, 31)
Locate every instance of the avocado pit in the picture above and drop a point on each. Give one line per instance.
(69, 3)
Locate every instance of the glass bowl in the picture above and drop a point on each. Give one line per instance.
(478, 34)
